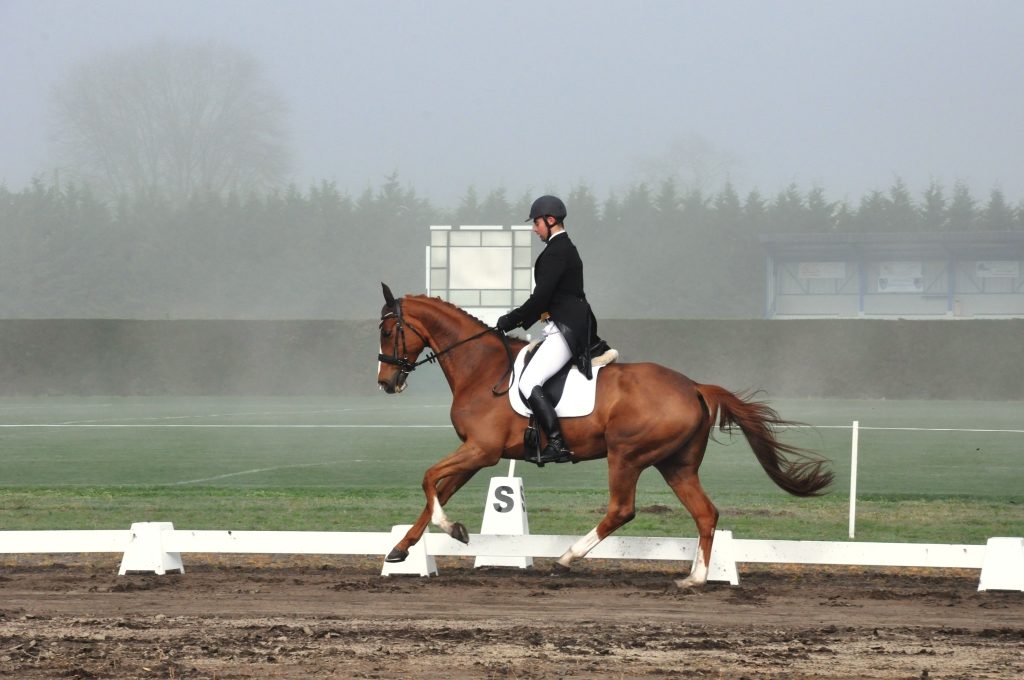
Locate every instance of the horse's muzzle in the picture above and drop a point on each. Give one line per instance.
(396, 384)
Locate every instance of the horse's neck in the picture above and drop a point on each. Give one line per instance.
(470, 362)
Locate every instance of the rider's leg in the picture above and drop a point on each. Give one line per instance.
(551, 356)
(556, 451)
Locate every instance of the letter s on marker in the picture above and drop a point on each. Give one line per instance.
(503, 494)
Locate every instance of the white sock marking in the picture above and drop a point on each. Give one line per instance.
(440, 519)
(580, 548)
(698, 573)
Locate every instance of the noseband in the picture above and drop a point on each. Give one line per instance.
(401, 360)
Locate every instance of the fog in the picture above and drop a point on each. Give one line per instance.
(534, 96)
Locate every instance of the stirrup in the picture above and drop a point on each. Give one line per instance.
(551, 454)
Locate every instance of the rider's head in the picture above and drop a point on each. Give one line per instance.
(548, 216)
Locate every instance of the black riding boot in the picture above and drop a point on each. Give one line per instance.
(556, 451)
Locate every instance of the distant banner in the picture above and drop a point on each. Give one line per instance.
(822, 270)
(900, 277)
(997, 269)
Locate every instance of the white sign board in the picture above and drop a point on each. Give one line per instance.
(997, 269)
(900, 277)
(481, 268)
(822, 270)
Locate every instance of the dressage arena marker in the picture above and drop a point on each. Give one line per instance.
(505, 515)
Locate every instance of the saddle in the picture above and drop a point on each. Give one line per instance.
(571, 393)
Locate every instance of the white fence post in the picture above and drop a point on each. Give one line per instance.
(855, 436)
(418, 561)
(1003, 568)
(146, 551)
(722, 566)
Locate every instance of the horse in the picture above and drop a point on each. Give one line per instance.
(645, 415)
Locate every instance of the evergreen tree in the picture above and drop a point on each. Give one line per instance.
(903, 215)
(468, 211)
(963, 212)
(933, 210)
(844, 217)
(873, 213)
(819, 212)
(786, 213)
(755, 212)
(997, 215)
(667, 204)
(695, 208)
(520, 210)
(727, 209)
(495, 208)
(611, 212)
(583, 211)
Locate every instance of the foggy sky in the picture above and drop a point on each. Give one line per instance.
(537, 96)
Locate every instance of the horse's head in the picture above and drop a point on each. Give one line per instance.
(400, 345)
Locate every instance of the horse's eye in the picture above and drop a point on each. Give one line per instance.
(386, 334)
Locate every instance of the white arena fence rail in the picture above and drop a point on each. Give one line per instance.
(157, 547)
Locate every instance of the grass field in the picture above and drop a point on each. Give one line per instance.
(347, 464)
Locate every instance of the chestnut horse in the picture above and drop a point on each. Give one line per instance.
(645, 415)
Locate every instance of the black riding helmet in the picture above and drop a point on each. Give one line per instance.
(547, 205)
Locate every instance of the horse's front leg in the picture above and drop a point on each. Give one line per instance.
(445, 490)
(450, 473)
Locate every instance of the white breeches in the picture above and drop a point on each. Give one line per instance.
(551, 356)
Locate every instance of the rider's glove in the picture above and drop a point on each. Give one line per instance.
(506, 323)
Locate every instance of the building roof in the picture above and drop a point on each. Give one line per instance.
(978, 245)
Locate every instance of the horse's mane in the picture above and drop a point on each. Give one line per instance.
(445, 303)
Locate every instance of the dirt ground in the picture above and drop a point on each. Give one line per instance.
(338, 618)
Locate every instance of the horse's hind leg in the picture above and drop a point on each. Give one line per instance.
(681, 475)
(622, 479)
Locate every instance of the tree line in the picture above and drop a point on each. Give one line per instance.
(650, 251)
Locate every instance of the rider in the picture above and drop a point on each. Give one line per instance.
(570, 330)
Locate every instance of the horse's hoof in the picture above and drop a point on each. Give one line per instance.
(396, 555)
(459, 533)
(560, 569)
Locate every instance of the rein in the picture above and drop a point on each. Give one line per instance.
(407, 366)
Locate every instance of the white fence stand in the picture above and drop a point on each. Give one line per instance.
(505, 515)
(146, 551)
(418, 562)
(722, 566)
(1003, 568)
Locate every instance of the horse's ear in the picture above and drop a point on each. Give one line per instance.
(389, 299)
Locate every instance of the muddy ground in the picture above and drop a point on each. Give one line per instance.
(337, 618)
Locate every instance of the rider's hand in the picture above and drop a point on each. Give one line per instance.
(506, 323)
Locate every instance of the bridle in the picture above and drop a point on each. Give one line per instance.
(405, 366)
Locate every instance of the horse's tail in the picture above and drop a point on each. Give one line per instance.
(799, 471)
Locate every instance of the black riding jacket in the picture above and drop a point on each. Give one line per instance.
(558, 290)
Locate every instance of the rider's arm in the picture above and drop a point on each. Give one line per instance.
(548, 273)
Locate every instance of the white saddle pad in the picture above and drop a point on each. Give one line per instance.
(578, 398)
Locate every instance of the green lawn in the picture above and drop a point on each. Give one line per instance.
(346, 464)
